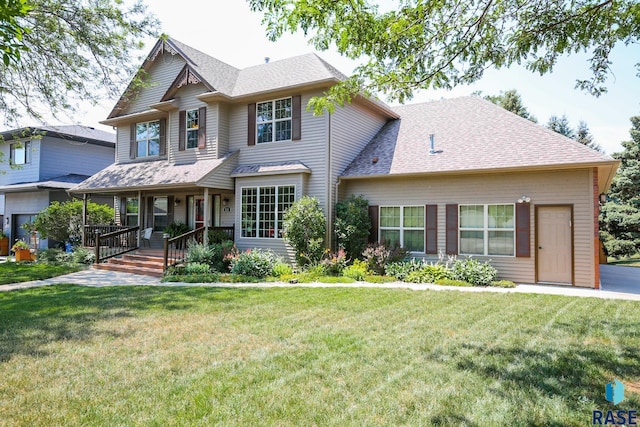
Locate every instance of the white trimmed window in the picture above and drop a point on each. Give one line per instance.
(487, 229)
(160, 213)
(402, 226)
(148, 138)
(263, 210)
(273, 120)
(132, 212)
(192, 128)
(20, 153)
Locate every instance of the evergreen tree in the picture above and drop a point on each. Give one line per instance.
(620, 216)
(510, 100)
(584, 136)
(561, 125)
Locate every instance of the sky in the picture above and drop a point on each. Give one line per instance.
(229, 31)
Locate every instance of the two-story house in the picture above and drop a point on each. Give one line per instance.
(210, 145)
(41, 163)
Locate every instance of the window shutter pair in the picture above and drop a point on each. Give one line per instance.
(202, 129)
(133, 143)
(296, 118)
(523, 230)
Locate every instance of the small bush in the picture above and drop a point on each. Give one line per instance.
(257, 263)
(281, 269)
(217, 236)
(81, 255)
(54, 256)
(304, 229)
(378, 256)
(473, 271)
(452, 282)
(401, 269)
(352, 225)
(503, 284)
(200, 253)
(356, 271)
(428, 274)
(197, 268)
(335, 263)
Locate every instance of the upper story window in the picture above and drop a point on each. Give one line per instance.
(148, 138)
(487, 230)
(20, 153)
(273, 120)
(192, 127)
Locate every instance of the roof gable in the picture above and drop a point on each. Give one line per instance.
(470, 134)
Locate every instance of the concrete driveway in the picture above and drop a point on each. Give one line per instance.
(616, 278)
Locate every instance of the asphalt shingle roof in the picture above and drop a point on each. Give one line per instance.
(470, 134)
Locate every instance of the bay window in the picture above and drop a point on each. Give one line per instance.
(263, 210)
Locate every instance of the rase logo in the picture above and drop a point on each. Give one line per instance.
(614, 393)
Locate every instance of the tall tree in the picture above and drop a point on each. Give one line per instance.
(510, 100)
(583, 136)
(60, 52)
(561, 125)
(440, 44)
(620, 216)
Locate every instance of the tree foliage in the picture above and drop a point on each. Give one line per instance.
(561, 125)
(510, 100)
(304, 229)
(63, 221)
(620, 216)
(582, 134)
(61, 52)
(352, 225)
(436, 44)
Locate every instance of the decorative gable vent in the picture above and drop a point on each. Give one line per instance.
(187, 77)
(161, 48)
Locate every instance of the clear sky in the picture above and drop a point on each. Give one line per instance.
(230, 32)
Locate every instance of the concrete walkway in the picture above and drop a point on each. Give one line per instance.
(97, 278)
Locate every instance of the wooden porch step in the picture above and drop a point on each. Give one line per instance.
(148, 265)
(145, 271)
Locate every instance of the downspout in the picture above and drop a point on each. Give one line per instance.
(329, 232)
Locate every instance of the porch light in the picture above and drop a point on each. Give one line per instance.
(176, 202)
(524, 199)
(225, 201)
(603, 198)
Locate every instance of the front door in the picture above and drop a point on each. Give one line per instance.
(554, 252)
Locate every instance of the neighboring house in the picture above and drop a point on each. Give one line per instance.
(41, 163)
(211, 145)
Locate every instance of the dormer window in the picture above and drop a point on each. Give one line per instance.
(273, 120)
(148, 138)
(20, 153)
(192, 128)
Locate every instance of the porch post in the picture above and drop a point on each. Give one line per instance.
(84, 219)
(140, 227)
(207, 216)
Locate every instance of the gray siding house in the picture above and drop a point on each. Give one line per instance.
(41, 164)
(211, 145)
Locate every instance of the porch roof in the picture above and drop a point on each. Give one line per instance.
(274, 168)
(64, 182)
(157, 174)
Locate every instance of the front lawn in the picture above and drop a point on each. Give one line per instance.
(15, 272)
(305, 356)
(633, 261)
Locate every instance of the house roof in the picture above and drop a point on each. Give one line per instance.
(275, 168)
(150, 175)
(470, 135)
(76, 133)
(64, 182)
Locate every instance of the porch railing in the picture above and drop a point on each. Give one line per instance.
(115, 243)
(229, 231)
(175, 249)
(91, 230)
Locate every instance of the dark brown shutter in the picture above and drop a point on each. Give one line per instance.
(296, 114)
(202, 127)
(251, 130)
(182, 130)
(170, 206)
(123, 211)
(523, 229)
(431, 225)
(452, 229)
(133, 146)
(163, 137)
(373, 216)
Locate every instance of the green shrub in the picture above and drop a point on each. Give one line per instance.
(357, 271)
(335, 263)
(200, 253)
(378, 256)
(304, 229)
(401, 269)
(254, 262)
(281, 269)
(217, 236)
(54, 256)
(473, 271)
(428, 274)
(176, 229)
(197, 268)
(352, 225)
(82, 255)
(63, 221)
(503, 284)
(452, 282)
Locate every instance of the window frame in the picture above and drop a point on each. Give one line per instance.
(128, 214)
(401, 227)
(258, 219)
(274, 121)
(486, 230)
(25, 148)
(148, 140)
(156, 215)
(193, 129)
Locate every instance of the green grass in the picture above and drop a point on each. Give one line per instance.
(633, 261)
(304, 356)
(15, 272)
